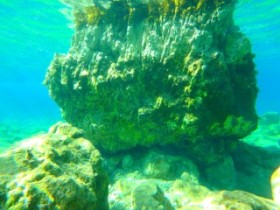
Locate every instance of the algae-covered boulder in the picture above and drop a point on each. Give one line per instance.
(156, 72)
(58, 170)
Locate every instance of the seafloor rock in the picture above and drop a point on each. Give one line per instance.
(275, 185)
(58, 170)
(248, 170)
(150, 197)
(185, 196)
(161, 165)
(157, 72)
(196, 197)
(229, 200)
(152, 163)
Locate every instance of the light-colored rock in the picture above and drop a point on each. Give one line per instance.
(183, 196)
(120, 195)
(58, 170)
(249, 170)
(229, 200)
(153, 164)
(275, 185)
(158, 165)
(149, 196)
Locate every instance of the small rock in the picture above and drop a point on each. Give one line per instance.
(169, 167)
(229, 200)
(149, 196)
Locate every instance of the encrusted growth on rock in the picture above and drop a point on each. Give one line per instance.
(157, 72)
(58, 170)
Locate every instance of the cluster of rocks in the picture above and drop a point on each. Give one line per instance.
(164, 89)
(63, 170)
(190, 186)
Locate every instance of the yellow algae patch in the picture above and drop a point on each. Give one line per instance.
(199, 4)
(194, 67)
(88, 15)
(93, 14)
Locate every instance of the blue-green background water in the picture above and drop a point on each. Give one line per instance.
(31, 31)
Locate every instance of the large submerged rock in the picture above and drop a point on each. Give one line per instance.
(157, 72)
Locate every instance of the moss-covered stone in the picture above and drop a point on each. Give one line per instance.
(53, 171)
(157, 72)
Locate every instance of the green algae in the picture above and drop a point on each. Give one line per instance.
(158, 73)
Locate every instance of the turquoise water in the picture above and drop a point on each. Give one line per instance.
(32, 31)
(260, 21)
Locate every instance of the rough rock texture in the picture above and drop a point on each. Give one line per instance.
(160, 165)
(58, 170)
(197, 197)
(185, 196)
(152, 163)
(246, 172)
(240, 200)
(150, 197)
(157, 72)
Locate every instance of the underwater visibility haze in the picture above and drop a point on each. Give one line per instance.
(174, 98)
(33, 31)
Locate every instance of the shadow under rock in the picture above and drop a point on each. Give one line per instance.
(254, 167)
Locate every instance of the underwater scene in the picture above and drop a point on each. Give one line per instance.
(140, 105)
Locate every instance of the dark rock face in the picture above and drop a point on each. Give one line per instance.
(156, 72)
(253, 164)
